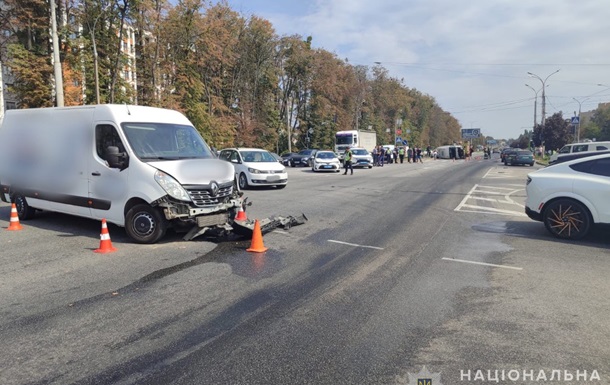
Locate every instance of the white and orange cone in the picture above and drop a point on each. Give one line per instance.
(14, 224)
(241, 214)
(105, 242)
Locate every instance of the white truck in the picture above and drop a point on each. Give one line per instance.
(355, 138)
(141, 168)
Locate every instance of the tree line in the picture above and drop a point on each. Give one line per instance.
(238, 81)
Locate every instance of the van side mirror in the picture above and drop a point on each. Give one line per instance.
(115, 158)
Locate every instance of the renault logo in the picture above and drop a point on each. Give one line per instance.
(214, 189)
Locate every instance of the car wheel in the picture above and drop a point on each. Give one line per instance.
(313, 169)
(243, 181)
(24, 211)
(145, 224)
(567, 219)
(531, 164)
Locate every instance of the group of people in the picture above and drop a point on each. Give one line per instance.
(382, 155)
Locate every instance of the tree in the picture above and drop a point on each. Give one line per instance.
(601, 120)
(554, 134)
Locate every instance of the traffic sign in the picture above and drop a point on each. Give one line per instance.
(575, 120)
(471, 133)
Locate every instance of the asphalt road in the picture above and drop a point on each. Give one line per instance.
(398, 268)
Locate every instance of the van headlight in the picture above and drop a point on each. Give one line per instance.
(254, 171)
(171, 186)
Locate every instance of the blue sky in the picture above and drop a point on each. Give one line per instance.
(472, 56)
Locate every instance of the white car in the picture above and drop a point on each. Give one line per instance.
(570, 197)
(255, 167)
(361, 158)
(325, 161)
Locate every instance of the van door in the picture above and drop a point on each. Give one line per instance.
(107, 183)
(60, 180)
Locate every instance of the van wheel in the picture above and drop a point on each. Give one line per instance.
(567, 219)
(243, 181)
(145, 224)
(24, 210)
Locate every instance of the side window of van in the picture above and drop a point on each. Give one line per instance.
(105, 136)
(580, 148)
(601, 148)
(565, 150)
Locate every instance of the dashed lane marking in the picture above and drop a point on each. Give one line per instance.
(482, 263)
(355, 245)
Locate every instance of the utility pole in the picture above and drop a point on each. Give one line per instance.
(59, 82)
(543, 95)
(1, 92)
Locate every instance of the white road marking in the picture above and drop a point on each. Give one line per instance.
(356, 245)
(482, 263)
(487, 190)
(494, 210)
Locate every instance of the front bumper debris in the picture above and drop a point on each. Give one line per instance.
(246, 228)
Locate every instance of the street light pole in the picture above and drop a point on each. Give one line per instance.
(535, 102)
(543, 95)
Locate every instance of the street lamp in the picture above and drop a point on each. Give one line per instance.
(543, 96)
(535, 102)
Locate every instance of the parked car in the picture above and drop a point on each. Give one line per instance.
(361, 158)
(325, 161)
(255, 167)
(577, 155)
(570, 197)
(519, 157)
(286, 158)
(506, 151)
(580, 147)
(302, 158)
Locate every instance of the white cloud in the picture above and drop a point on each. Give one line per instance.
(472, 56)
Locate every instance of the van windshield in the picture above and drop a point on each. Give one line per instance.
(158, 141)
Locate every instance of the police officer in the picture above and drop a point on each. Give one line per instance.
(347, 161)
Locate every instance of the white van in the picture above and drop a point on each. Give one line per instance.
(450, 152)
(580, 147)
(142, 168)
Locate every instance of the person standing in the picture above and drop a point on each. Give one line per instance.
(375, 156)
(381, 155)
(409, 154)
(347, 161)
(401, 154)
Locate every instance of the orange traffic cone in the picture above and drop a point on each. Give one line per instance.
(105, 242)
(241, 214)
(257, 245)
(14, 224)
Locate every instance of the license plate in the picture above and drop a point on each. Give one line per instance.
(327, 166)
(273, 178)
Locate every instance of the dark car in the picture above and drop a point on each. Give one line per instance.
(302, 157)
(578, 155)
(286, 157)
(523, 157)
(506, 151)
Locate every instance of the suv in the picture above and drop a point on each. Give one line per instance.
(302, 158)
(571, 197)
(361, 158)
(580, 147)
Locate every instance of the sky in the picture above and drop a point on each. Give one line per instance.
(471, 56)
